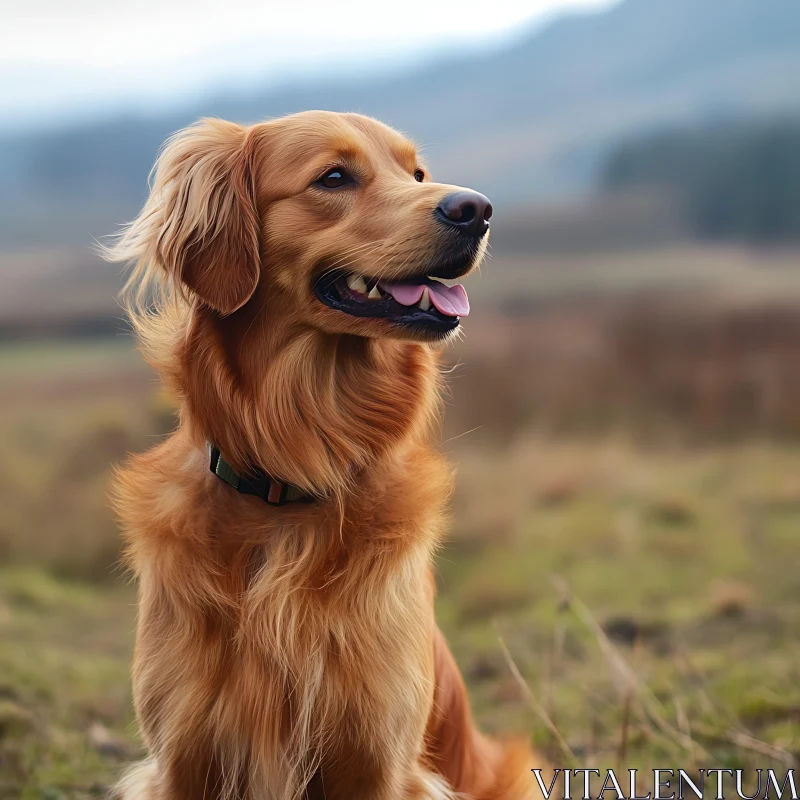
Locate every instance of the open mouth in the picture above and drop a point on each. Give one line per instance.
(423, 303)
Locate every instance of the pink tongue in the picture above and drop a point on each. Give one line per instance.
(452, 301)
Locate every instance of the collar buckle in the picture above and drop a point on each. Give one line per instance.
(277, 493)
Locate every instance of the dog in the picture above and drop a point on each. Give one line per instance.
(287, 288)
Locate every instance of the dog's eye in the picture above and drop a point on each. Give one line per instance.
(419, 175)
(335, 178)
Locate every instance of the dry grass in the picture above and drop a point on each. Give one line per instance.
(68, 412)
(688, 369)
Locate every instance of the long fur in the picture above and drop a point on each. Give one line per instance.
(287, 653)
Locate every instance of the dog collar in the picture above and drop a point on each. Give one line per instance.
(269, 489)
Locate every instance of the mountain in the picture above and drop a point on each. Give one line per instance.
(529, 121)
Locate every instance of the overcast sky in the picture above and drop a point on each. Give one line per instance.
(71, 57)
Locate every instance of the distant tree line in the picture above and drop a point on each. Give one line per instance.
(733, 181)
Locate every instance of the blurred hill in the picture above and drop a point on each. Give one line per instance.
(741, 181)
(528, 121)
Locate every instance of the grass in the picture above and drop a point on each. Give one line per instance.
(66, 417)
(66, 723)
(737, 273)
(84, 357)
(657, 586)
(625, 605)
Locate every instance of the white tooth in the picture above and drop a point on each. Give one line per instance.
(374, 293)
(357, 283)
(425, 300)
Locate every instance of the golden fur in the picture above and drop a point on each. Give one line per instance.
(292, 652)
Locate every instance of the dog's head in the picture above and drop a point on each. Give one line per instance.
(331, 217)
(303, 257)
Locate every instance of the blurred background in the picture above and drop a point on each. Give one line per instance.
(621, 581)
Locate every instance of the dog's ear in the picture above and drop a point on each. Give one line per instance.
(200, 223)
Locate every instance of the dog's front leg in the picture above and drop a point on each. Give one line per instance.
(361, 777)
(189, 778)
(139, 783)
(354, 774)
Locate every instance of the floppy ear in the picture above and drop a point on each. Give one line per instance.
(200, 222)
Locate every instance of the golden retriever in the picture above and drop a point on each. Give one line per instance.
(286, 276)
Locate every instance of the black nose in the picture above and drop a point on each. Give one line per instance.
(466, 210)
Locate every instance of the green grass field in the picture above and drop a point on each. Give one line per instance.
(626, 606)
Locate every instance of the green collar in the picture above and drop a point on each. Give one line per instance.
(269, 489)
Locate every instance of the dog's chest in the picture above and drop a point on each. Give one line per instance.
(324, 654)
(340, 609)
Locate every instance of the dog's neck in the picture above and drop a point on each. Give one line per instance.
(312, 409)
